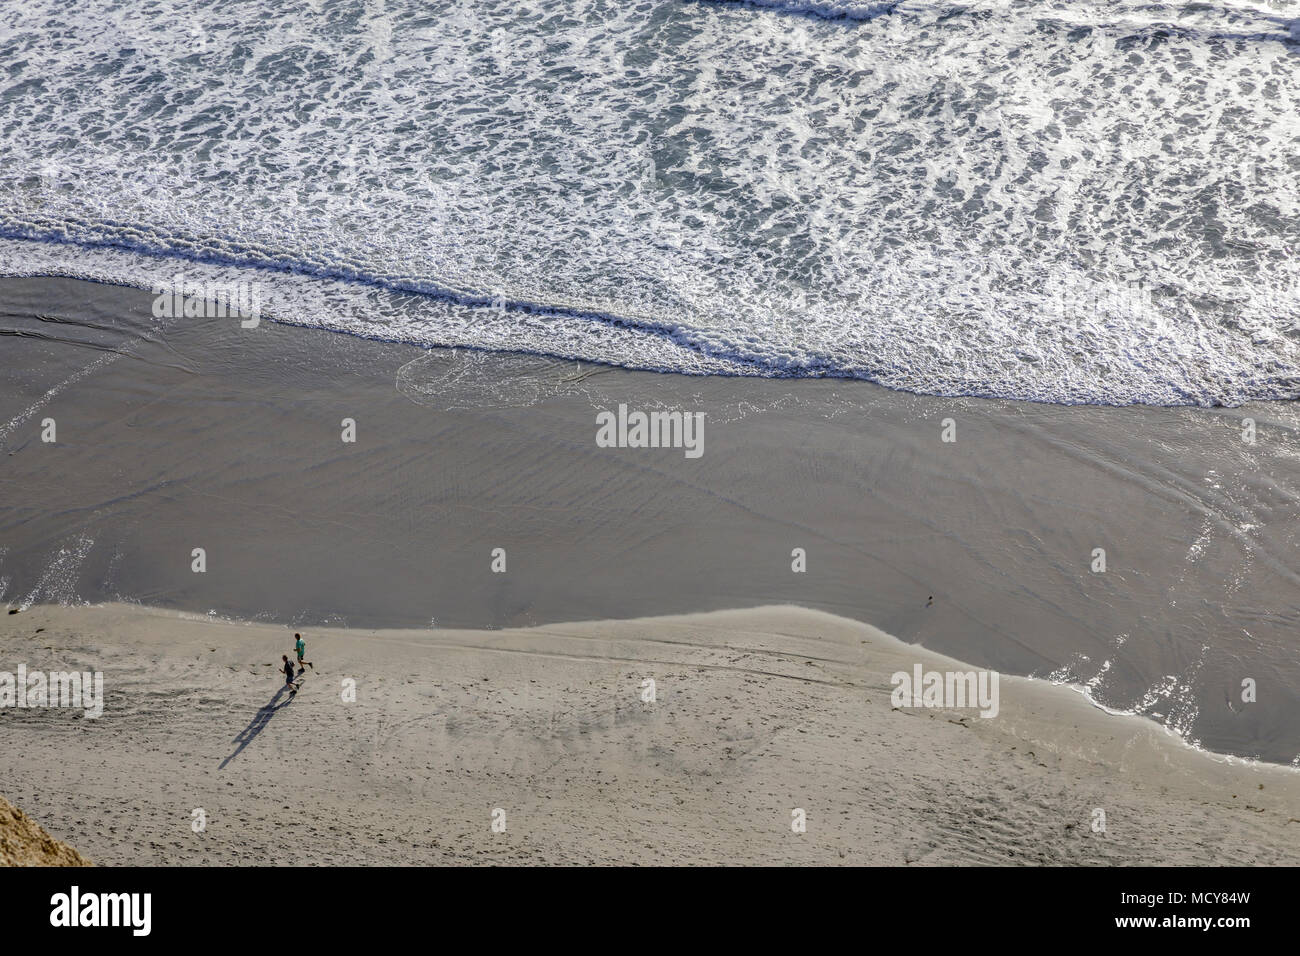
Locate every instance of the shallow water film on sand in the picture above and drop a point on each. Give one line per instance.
(691, 432)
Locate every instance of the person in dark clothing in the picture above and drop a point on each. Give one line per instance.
(288, 675)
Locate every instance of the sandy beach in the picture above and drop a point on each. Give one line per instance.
(756, 714)
(201, 434)
(789, 432)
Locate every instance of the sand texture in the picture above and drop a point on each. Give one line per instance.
(23, 842)
(757, 714)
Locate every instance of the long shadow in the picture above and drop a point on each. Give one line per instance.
(256, 725)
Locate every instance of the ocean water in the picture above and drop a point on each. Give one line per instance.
(1070, 202)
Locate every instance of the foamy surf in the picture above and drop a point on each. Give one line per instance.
(1042, 201)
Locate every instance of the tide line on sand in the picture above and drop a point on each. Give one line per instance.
(750, 736)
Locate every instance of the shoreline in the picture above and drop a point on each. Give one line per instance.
(205, 435)
(1078, 689)
(757, 713)
(143, 287)
(760, 433)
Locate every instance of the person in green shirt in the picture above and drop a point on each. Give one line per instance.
(300, 646)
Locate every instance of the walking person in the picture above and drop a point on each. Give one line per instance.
(300, 646)
(288, 676)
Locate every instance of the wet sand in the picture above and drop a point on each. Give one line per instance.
(205, 435)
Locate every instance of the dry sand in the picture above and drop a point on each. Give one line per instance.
(757, 713)
(23, 842)
(205, 435)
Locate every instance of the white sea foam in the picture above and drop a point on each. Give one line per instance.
(58, 581)
(1073, 201)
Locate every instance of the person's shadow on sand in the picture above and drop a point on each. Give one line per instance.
(256, 725)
